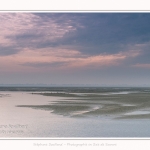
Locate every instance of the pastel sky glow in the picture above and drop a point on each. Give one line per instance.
(75, 48)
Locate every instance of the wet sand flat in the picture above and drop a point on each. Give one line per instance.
(72, 113)
(116, 105)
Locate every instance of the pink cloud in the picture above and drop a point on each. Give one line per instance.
(142, 66)
(66, 59)
(13, 24)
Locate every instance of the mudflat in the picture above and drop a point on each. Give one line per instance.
(107, 104)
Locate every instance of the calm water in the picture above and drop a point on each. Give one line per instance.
(28, 122)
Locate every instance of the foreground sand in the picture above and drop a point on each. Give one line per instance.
(117, 106)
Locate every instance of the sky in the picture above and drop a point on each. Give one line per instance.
(75, 48)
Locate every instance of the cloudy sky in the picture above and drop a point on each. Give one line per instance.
(75, 48)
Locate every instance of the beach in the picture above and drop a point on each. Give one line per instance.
(75, 112)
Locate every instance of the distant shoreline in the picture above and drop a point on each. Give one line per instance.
(73, 89)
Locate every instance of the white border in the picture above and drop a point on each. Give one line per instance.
(75, 5)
